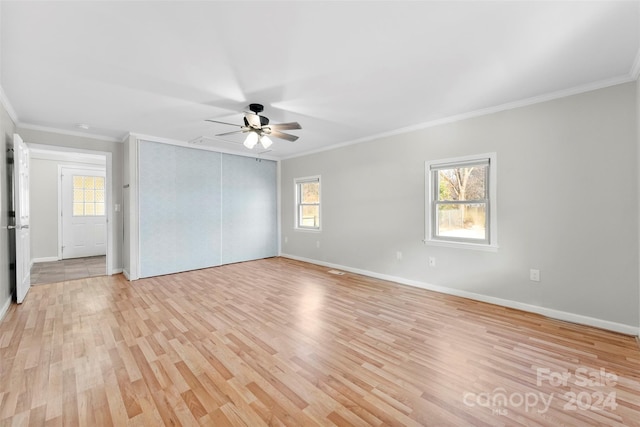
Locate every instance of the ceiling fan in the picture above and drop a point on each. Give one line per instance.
(258, 128)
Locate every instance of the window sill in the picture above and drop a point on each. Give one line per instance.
(461, 245)
(308, 230)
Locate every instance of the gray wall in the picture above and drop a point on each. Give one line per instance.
(7, 128)
(43, 188)
(80, 143)
(567, 205)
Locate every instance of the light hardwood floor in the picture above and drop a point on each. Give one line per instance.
(280, 342)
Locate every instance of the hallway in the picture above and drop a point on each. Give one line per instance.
(68, 269)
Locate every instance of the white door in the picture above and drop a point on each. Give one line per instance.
(83, 211)
(21, 206)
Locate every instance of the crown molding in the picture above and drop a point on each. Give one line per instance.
(67, 132)
(8, 107)
(589, 87)
(635, 68)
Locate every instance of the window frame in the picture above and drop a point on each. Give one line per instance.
(490, 243)
(298, 203)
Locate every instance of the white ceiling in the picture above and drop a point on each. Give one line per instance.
(346, 71)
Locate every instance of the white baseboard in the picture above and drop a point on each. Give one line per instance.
(44, 259)
(126, 274)
(5, 307)
(116, 271)
(549, 312)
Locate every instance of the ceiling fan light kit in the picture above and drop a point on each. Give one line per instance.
(265, 141)
(258, 128)
(251, 141)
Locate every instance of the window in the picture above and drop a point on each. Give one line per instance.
(308, 203)
(461, 202)
(88, 195)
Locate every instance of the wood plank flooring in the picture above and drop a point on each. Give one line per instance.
(68, 269)
(284, 343)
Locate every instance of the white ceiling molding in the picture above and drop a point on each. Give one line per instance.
(483, 112)
(8, 107)
(67, 132)
(635, 68)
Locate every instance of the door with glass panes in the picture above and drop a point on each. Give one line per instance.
(83, 214)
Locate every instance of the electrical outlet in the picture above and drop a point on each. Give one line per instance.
(286, 239)
(398, 255)
(317, 243)
(534, 275)
(432, 261)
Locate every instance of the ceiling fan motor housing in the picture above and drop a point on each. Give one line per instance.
(256, 108)
(264, 121)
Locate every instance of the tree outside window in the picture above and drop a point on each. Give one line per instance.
(308, 203)
(460, 208)
(462, 202)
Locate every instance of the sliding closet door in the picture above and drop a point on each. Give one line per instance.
(179, 197)
(200, 208)
(249, 209)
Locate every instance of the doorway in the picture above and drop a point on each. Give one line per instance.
(87, 250)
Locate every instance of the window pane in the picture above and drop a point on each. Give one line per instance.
(89, 182)
(78, 181)
(464, 183)
(466, 221)
(78, 209)
(310, 216)
(99, 183)
(88, 195)
(310, 192)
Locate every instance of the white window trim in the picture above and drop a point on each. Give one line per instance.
(492, 246)
(297, 181)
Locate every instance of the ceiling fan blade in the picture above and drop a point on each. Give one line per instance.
(281, 135)
(231, 133)
(285, 126)
(223, 123)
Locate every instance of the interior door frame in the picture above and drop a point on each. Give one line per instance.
(69, 151)
(79, 167)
